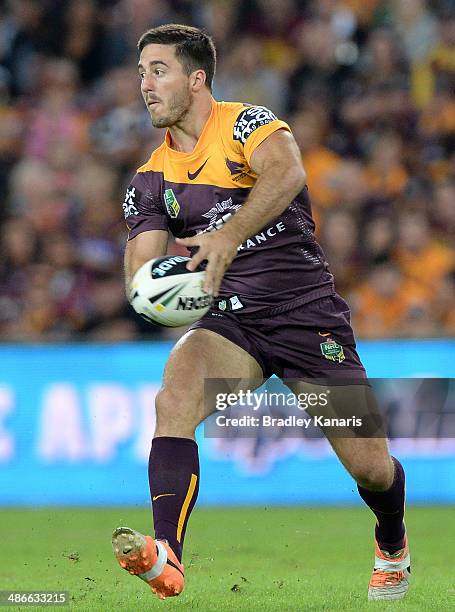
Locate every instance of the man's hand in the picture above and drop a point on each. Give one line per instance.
(142, 248)
(219, 249)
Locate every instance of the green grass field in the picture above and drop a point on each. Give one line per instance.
(236, 559)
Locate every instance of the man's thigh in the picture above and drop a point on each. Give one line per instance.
(355, 429)
(202, 355)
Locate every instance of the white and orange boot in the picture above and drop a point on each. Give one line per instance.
(150, 560)
(391, 573)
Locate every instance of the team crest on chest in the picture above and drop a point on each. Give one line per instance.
(237, 170)
(172, 205)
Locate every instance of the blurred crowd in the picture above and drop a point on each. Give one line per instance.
(366, 85)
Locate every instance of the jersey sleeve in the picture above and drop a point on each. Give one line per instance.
(142, 208)
(253, 125)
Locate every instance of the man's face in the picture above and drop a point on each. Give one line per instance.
(164, 85)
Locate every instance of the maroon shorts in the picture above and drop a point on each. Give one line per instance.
(313, 341)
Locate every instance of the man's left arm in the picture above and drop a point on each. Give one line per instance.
(278, 164)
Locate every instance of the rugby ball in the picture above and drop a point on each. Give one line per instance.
(165, 292)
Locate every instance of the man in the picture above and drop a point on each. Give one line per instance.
(228, 182)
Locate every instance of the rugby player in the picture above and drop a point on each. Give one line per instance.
(228, 183)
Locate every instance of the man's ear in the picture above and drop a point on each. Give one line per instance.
(198, 79)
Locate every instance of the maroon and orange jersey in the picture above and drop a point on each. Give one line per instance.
(277, 269)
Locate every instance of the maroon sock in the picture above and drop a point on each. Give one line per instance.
(174, 485)
(388, 507)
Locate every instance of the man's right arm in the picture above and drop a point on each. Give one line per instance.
(142, 248)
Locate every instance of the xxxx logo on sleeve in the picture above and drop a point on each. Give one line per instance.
(172, 205)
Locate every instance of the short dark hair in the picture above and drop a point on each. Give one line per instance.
(194, 48)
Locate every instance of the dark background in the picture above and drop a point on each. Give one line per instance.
(365, 85)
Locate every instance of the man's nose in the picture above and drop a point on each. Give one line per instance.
(146, 83)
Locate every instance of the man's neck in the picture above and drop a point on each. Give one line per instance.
(185, 134)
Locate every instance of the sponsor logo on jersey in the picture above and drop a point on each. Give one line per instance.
(193, 303)
(263, 236)
(228, 208)
(216, 211)
(172, 205)
(332, 351)
(193, 175)
(132, 197)
(251, 119)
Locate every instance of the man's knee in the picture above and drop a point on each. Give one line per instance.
(175, 414)
(376, 476)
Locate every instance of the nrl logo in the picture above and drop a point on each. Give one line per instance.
(172, 205)
(332, 351)
(219, 209)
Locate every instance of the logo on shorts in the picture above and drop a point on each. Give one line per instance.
(172, 206)
(232, 303)
(332, 351)
(235, 302)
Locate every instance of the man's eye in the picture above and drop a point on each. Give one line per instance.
(158, 71)
(141, 75)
